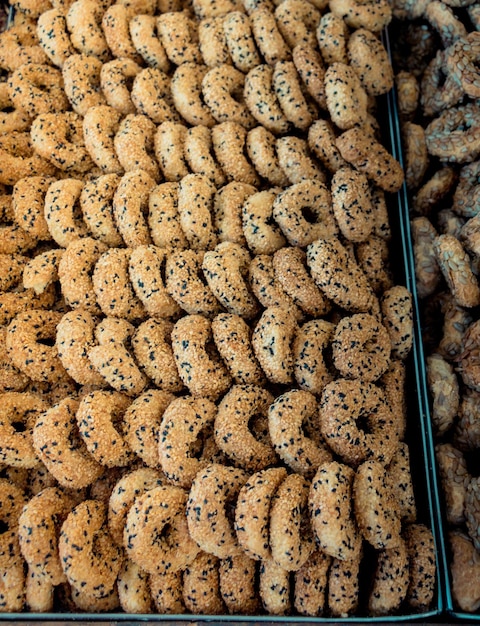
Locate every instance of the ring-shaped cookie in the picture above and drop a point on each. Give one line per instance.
(271, 45)
(39, 528)
(352, 204)
(291, 537)
(225, 269)
(133, 587)
(274, 588)
(331, 511)
(296, 161)
(361, 347)
(98, 417)
(62, 211)
(199, 365)
(58, 138)
(358, 15)
(229, 140)
(252, 511)
(304, 212)
(262, 102)
(327, 258)
(152, 97)
(266, 287)
(116, 79)
(233, 432)
(147, 43)
(311, 69)
(19, 45)
(297, 20)
(133, 484)
(286, 416)
(240, 41)
(232, 337)
(227, 211)
(37, 88)
(28, 341)
(96, 200)
(147, 268)
(366, 154)
(75, 273)
(198, 153)
(186, 285)
(18, 414)
(156, 535)
(115, 26)
(339, 421)
(239, 598)
(20, 158)
(272, 342)
(185, 421)
(186, 87)
(261, 148)
(113, 357)
(12, 587)
(288, 89)
(201, 586)
(81, 82)
(134, 145)
(169, 150)
(100, 125)
(164, 218)
(396, 306)
(222, 89)
(53, 36)
(261, 232)
(195, 208)
(141, 423)
(369, 59)
(113, 288)
(290, 269)
(74, 338)
(310, 346)
(84, 23)
(93, 569)
(59, 446)
(212, 491)
(130, 207)
(178, 34)
(376, 510)
(28, 202)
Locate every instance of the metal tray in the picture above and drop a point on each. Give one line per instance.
(435, 494)
(419, 437)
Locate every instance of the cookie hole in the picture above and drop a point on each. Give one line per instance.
(160, 536)
(201, 276)
(258, 426)
(371, 344)
(230, 512)
(197, 447)
(212, 352)
(362, 424)
(19, 427)
(237, 94)
(163, 270)
(47, 341)
(77, 214)
(74, 439)
(309, 215)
